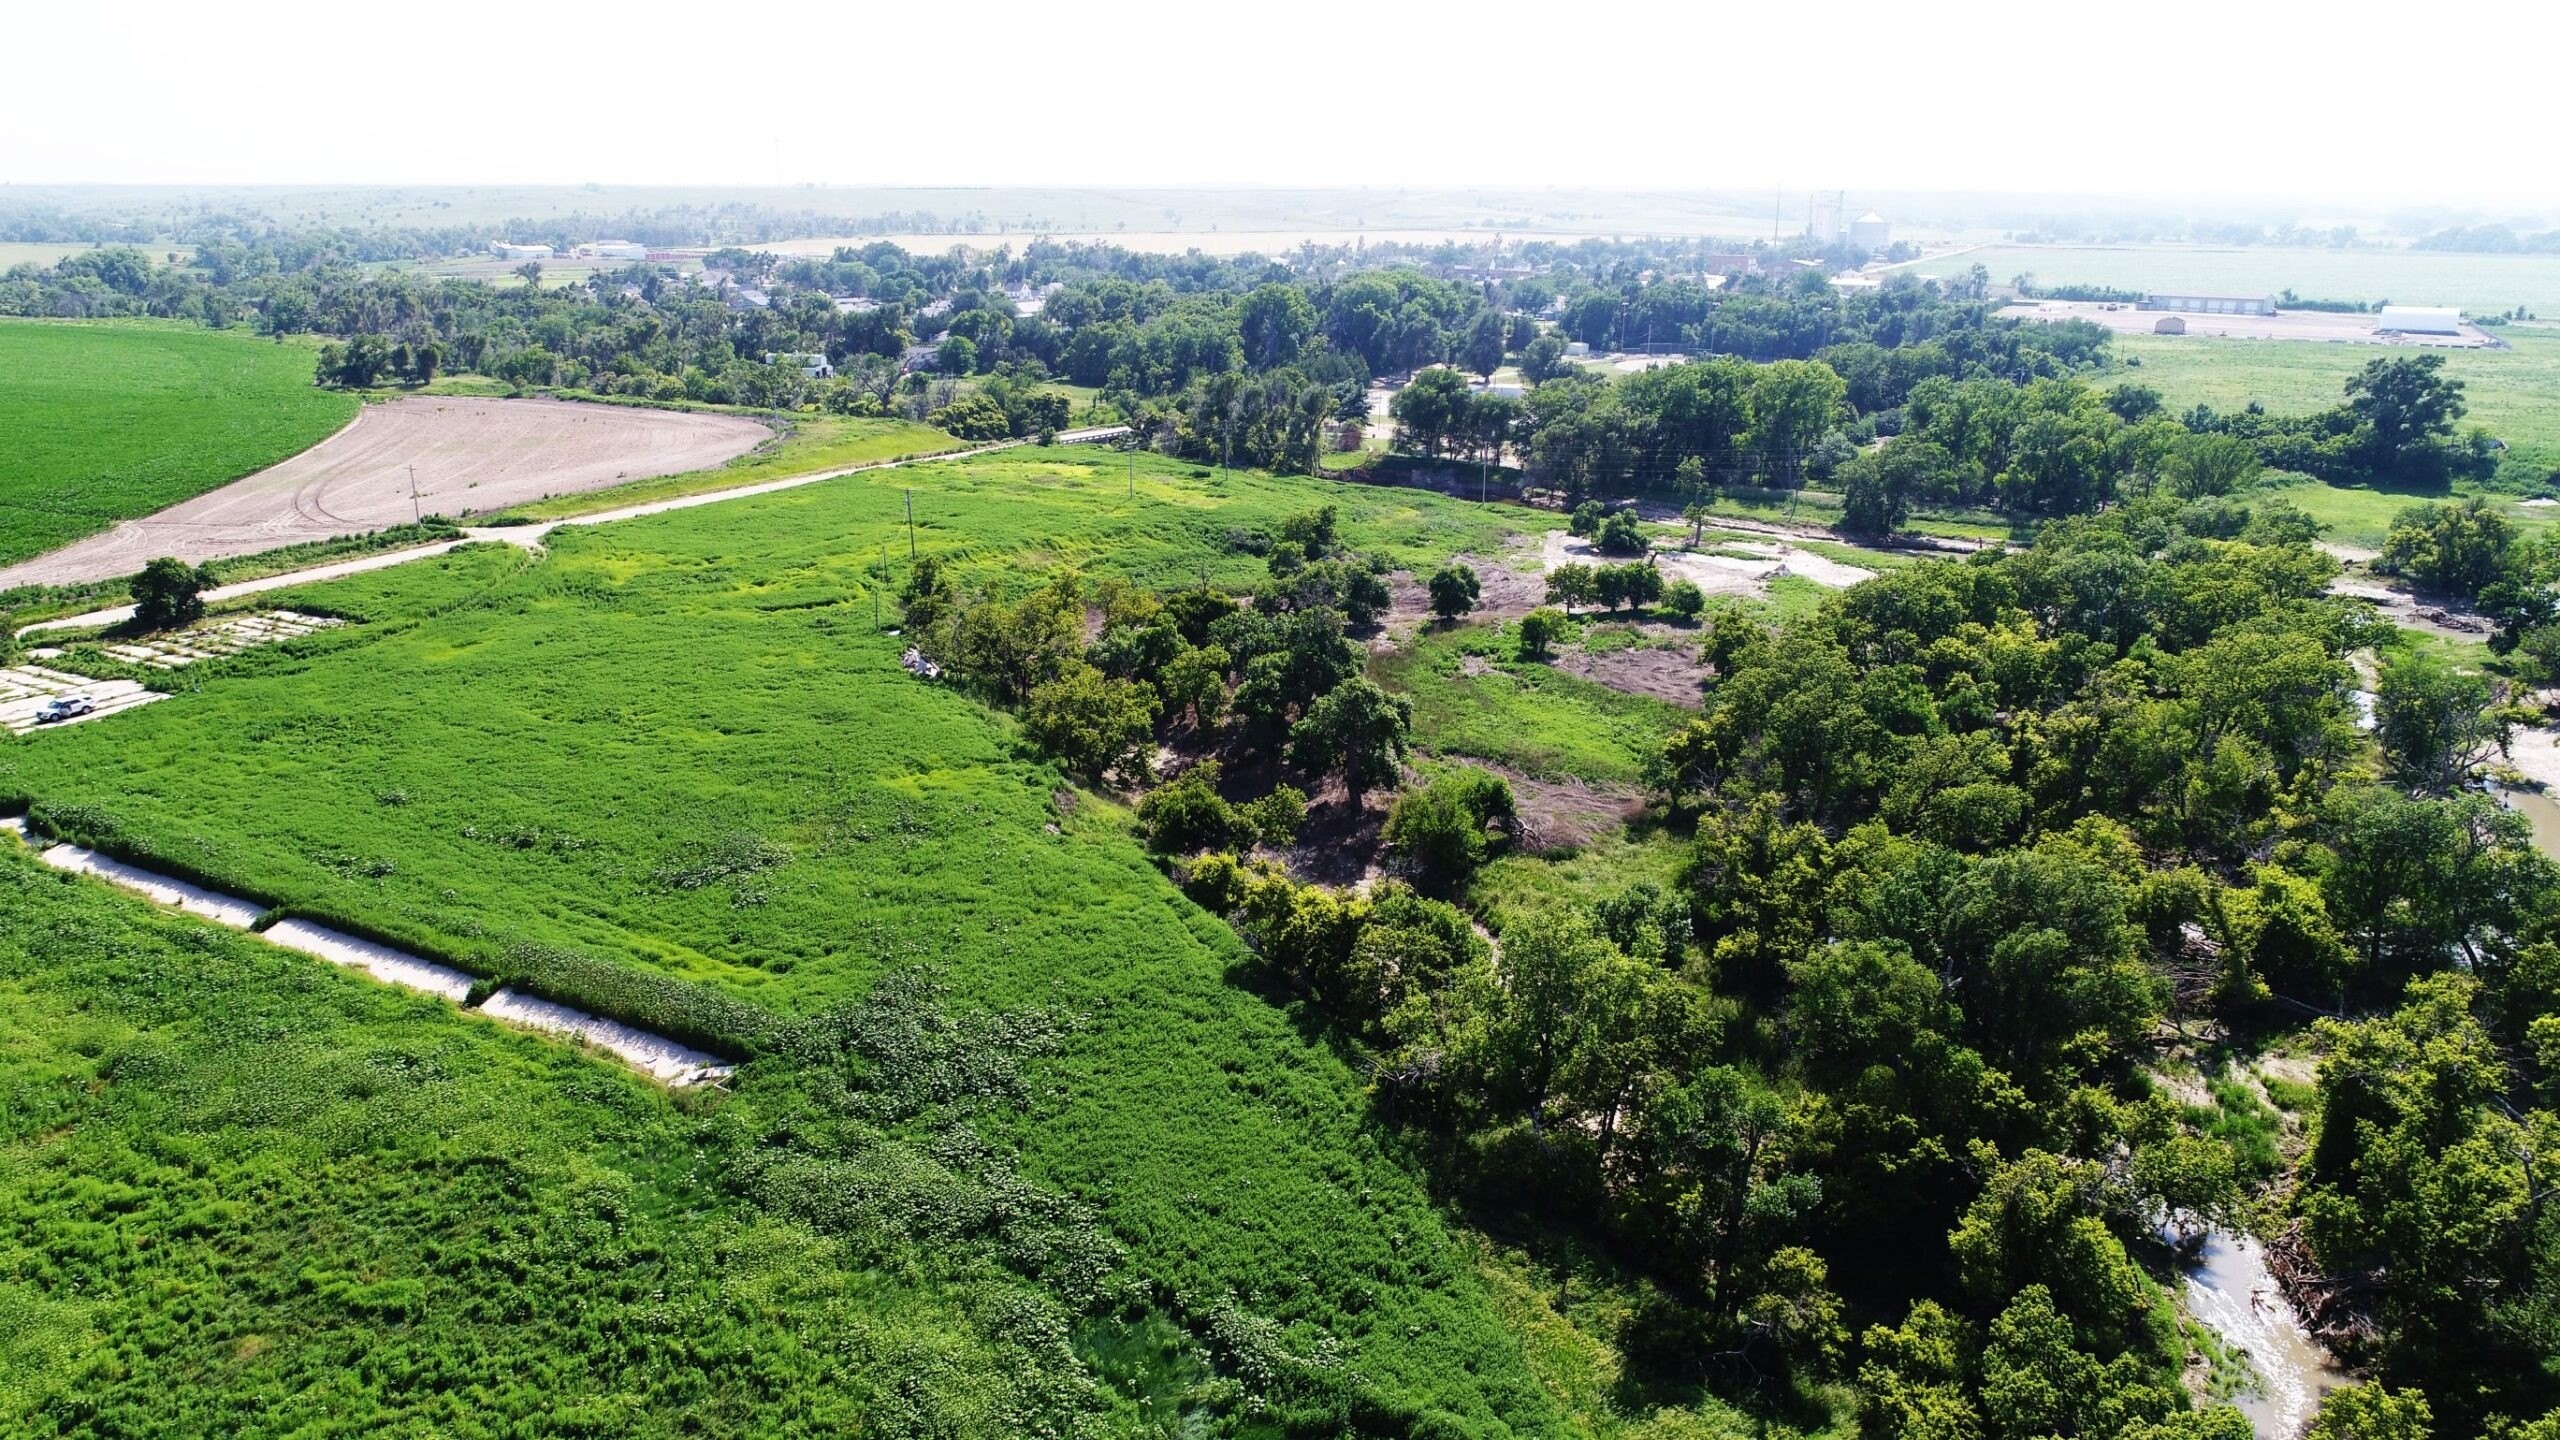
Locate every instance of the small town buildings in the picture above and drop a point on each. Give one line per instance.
(811, 366)
(612, 250)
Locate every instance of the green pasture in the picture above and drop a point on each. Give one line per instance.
(2513, 393)
(105, 421)
(680, 745)
(2480, 283)
(1474, 697)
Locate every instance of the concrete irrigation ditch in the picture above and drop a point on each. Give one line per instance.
(662, 1059)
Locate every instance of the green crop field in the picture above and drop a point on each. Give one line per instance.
(1473, 697)
(2513, 393)
(679, 745)
(2485, 283)
(243, 1193)
(104, 422)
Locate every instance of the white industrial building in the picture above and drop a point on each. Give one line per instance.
(2419, 320)
(2209, 304)
(509, 250)
(1871, 231)
(613, 250)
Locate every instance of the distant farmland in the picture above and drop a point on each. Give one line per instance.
(103, 422)
(2474, 282)
(2508, 391)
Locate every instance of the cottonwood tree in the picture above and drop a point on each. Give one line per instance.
(1454, 590)
(168, 593)
(1357, 729)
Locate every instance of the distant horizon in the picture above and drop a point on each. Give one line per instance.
(2212, 102)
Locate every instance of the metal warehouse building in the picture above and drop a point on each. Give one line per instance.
(2211, 304)
(2419, 320)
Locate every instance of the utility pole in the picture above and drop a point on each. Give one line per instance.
(911, 524)
(414, 517)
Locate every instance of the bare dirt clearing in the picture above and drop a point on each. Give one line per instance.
(1719, 574)
(1655, 671)
(471, 456)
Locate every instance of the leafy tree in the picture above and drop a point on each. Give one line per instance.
(2373, 1412)
(2454, 549)
(1432, 411)
(2210, 465)
(1188, 814)
(2037, 1382)
(927, 597)
(1446, 827)
(1793, 404)
(2039, 1224)
(1274, 819)
(2437, 724)
(1194, 683)
(1274, 323)
(168, 593)
(2407, 408)
(1572, 583)
(1485, 341)
(1542, 360)
(1357, 729)
(957, 355)
(1092, 723)
(1539, 631)
(1454, 590)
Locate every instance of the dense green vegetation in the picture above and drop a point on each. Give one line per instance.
(680, 745)
(104, 422)
(241, 1193)
(1475, 697)
(1828, 1097)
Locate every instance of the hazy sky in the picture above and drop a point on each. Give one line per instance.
(2236, 97)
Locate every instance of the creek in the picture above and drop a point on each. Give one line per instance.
(2229, 1290)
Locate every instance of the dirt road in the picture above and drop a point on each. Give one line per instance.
(470, 457)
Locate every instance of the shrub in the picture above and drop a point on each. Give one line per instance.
(1454, 591)
(1684, 599)
(1188, 814)
(1621, 534)
(1539, 630)
(1275, 817)
(1445, 829)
